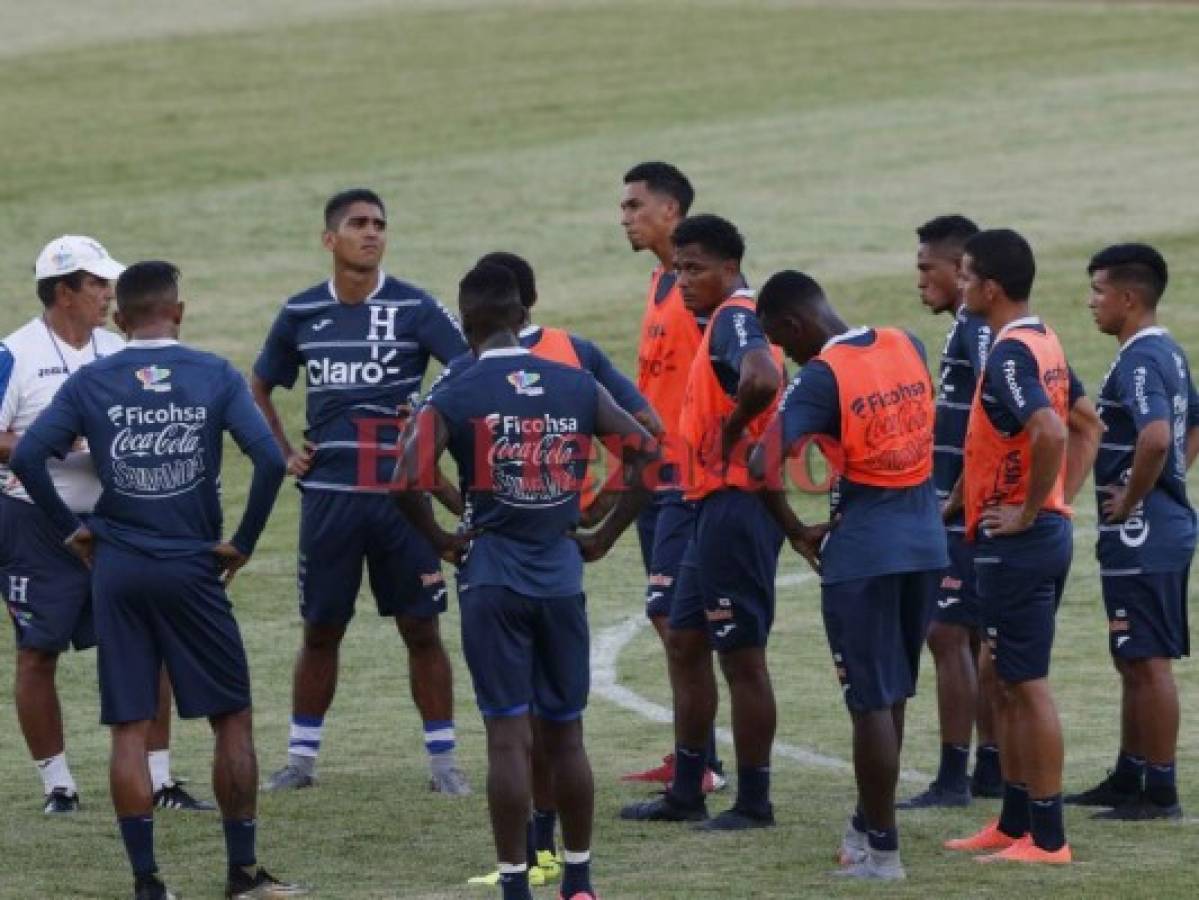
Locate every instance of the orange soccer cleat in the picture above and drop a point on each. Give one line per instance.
(1025, 851)
(989, 838)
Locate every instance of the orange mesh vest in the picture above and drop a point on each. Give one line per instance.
(887, 410)
(997, 466)
(555, 345)
(706, 406)
(669, 340)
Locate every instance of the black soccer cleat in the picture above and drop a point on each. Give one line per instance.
(665, 809)
(61, 801)
(174, 796)
(256, 883)
(1107, 793)
(937, 796)
(1142, 809)
(150, 887)
(738, 819)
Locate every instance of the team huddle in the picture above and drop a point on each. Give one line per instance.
(949, 524)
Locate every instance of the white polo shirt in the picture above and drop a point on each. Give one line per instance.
(34, 363)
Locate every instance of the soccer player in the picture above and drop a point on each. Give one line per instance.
(955, 633)
(154, 415)
(48, 590)
(656, 197)
(518, 428)
(868, 389)
(569, 349)
(724, 599)
(1150, 411)
(363, 340)
(1028, 447)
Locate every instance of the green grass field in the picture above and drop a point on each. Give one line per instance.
(210, 134)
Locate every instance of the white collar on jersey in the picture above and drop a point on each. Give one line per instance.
(528, 330)
(1151, 331)
(373, 294)
(499, 352)
(152, 344)
(844, 336)
(1017, 323)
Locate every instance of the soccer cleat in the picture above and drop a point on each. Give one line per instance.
(1106, 793)
(549, 865)
(61, 801)
(870, 868)
(289, 778)
(150, 887)
(937, 796)
(451, 782)
(854, 846)
(256, 883)
(663, 774)
(1025, 851)
(172, 795)
(665, 809)
(736, 819)
(1139, 810)
(989, 838)
(536, 878)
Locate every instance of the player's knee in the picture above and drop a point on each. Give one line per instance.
(687, 647)
(561, 738)
(746, 666)
(35, 663)
(420, 635)
(947, 641)
(323, 638)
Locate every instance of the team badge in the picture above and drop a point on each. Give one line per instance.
(154, 378)
(524, 382)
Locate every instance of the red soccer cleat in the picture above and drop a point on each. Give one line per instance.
(663, 774)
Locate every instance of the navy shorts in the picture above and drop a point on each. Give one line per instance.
(876, 627)
(664, 528)
(152, 612)
(1020, 581)
(954, 595)
(1147, 615)
(47, 589)
(338, 531)
(726, 579)
(526, 654)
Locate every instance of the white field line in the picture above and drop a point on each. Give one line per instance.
(606, 647)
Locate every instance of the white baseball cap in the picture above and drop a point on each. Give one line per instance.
(74, 253)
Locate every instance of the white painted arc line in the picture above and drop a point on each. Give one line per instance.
(606, 647)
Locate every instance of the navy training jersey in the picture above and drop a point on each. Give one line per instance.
(878, 531)
(520, 430)
(962, 361)
(361, 362)
(1149, 381)
(153, 415)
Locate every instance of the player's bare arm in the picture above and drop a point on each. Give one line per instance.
(759, 382)
(298, 461)
(638, 449)
(416, 469)
(1148, 460)
(1084, 429)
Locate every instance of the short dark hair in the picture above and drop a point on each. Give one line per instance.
(46, 286)
(1005, 257)
(490, 284)
(526, 281)
(1137, 264)
(663, 178)
(336, 205)
(788, 289)
(145, 285)
(715, 235)
(952, 231)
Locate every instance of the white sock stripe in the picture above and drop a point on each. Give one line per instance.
(306, 732)
(441, 734)
(511, 869)
(576, 857)
(55, 773)
(301, 750)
